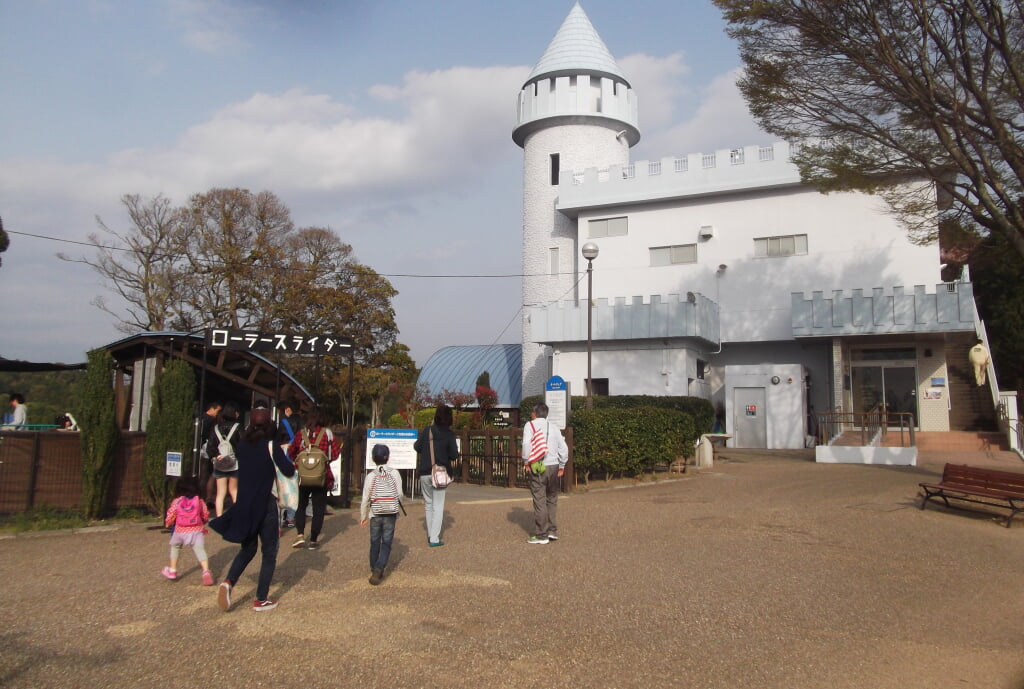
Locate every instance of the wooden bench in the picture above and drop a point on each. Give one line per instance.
(982, 486)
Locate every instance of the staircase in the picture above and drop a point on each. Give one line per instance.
(972, 408)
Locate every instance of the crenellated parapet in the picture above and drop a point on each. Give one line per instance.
(577, 98)
(695, 174)
(950, 308)
(662, 316)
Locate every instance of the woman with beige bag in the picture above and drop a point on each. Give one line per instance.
(435, 450)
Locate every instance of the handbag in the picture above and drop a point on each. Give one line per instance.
(439, 477)
(286, 487)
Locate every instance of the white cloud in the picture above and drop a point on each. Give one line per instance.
(720, 120)
(211, 26)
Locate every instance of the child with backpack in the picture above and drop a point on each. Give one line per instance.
(382, 498)
(188, 515)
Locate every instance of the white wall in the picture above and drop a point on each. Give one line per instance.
(852, 243)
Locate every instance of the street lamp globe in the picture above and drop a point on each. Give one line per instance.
(590, 251)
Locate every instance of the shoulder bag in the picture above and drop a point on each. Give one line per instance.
(286, 487)
(439, 477)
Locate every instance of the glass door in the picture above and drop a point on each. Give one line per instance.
(884, 387)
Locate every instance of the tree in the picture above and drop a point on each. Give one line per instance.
(143, 265)
(169, 429)
(99, 434)
(235, 243)
(5, 241)
(879, 93)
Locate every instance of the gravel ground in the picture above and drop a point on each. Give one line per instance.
(765, 571)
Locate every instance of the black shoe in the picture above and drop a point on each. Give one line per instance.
(376, 577)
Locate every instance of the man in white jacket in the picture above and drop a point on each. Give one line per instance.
(544, 455)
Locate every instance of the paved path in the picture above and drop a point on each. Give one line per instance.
(765, 571)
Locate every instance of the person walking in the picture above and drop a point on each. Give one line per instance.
(544, 456)
(314, 490)
(188, 515)
(442, 451)
(253, 519)
(222, 450)
(288, 425)
(382, 498)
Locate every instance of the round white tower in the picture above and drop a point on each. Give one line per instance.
(576, 111)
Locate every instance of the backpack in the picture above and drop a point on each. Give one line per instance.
(311, 462)
(188, 512)
(226, 451)
(384, 494)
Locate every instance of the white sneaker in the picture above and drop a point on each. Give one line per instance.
(537, 540)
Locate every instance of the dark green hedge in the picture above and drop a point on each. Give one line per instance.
(700, 410)
(615, 441)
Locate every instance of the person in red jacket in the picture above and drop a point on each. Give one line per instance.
(315, 494)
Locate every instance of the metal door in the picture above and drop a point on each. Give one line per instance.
(750, 428)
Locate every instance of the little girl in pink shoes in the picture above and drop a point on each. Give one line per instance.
(188, 515)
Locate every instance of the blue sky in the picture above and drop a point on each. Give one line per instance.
(389, 122)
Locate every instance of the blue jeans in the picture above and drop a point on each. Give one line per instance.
(269, 541)
(382, 532)
(433, 503)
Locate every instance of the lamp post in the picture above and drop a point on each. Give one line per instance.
(590, 253)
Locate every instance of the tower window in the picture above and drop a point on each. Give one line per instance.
(553, 261)
(554, 169)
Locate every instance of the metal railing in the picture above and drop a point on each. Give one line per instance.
(872, 428)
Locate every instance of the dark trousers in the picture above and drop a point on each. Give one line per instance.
(318, 495)
(382, 532)
(269, 540)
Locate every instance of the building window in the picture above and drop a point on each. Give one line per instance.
(608, 227)
(788, 245)
(670, 255)
(600, 387)
(701, 368)
(553, 261)
(554, 169)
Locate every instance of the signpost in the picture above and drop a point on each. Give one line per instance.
(556, 396)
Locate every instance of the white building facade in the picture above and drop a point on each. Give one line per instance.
(719, 275)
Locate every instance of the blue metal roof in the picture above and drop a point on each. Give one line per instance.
(457, 368)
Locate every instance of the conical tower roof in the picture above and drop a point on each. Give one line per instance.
(576, 48)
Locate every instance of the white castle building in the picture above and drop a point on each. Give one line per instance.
(719, 275)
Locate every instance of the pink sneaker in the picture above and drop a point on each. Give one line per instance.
(207, 578)
(169, 573)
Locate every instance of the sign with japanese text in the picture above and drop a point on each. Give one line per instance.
(285, 343)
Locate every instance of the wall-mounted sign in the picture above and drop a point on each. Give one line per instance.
(173, 464)
(288, 343)
(751, 410)
(938, 382)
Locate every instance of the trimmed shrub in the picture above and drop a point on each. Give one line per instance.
(169, 429)
(613, 443)
(94, 410)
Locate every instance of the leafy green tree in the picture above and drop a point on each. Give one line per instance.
(877, 94)
(169, 429)
(997, 275)
(99, 433)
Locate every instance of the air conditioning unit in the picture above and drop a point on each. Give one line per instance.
(707, 231)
